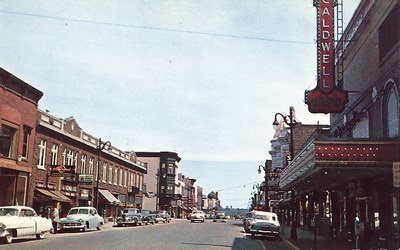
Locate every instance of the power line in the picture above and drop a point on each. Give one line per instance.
(238, 186)
(156, 28)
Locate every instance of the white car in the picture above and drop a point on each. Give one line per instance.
(16, 221)
(82, 218)
(264, 223)
(219, 216)
(197, 216)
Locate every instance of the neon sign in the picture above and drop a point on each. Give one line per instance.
(325, 98)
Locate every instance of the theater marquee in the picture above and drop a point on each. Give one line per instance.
(326, 97)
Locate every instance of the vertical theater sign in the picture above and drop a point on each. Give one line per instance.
(326, 97)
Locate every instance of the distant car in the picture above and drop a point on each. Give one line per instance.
(16, 221)
(219, 216)
(264, 223)
(163, 216)
(129, 217)
(82, 218)
(197, 216)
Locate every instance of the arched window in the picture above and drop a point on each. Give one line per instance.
(392, 111)
(361, 129)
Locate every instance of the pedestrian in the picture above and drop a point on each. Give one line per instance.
(55, 218)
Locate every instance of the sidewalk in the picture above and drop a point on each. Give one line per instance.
(305, 241)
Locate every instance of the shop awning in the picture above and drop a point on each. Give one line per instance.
(53, 195)
(108, 196)
(61, 196)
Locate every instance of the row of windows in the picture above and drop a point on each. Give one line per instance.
(108, 173)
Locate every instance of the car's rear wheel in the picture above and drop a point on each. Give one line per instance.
(98, 227)
(40, 236)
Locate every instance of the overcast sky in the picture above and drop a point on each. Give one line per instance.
(201, 78)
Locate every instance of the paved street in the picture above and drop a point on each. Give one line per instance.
(179, 234)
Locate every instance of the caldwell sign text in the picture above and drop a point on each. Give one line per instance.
(325, 98)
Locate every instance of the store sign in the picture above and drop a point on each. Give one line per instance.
(326, 98)
(62, 170)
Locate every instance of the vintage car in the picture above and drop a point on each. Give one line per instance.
(81, 218)
(129, 217)
(197, 216)
(148, 216)
(16, 221)
(264, 223)
(219, 216)
(163, 216)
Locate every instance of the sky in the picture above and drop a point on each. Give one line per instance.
(200, 78)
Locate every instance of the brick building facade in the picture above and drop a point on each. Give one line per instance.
(18, 107)
(62, 143)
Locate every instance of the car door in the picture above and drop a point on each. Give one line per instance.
(26, 223)
(92, 218)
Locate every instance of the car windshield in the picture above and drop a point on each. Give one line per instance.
(261, 217)
(8, 212)
(129, 211)
(79, 211)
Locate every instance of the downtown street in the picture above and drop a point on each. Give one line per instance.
(179, 234)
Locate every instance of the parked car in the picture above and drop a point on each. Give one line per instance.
(16, 221)
(148, 216)
(130, 217)
(82, 218)
(264, 223)
(219, 216)
(197, 216)
(163, 216)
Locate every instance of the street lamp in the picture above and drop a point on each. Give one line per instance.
(289, 120)
(266, 189)
(100, 146)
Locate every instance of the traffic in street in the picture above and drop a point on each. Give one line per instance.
(179, 234)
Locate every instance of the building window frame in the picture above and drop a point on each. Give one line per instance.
(42, 154)
(110, 174)
(83, 164)
(91, 165)
(391, 110)
(104, 172)
(115, 175)
(9, 134)
(25, 142)
(54, 154)
(120, 177)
